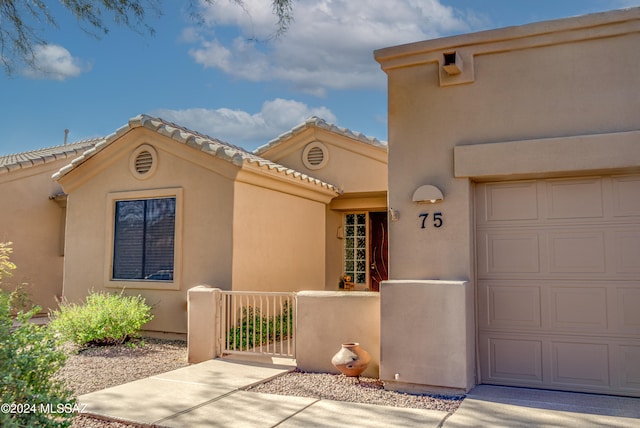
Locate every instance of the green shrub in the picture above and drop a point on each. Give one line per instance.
(19, 298)
(6, 266)
(29, 359)
(104, 319)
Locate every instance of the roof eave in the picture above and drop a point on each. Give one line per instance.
(315, 122)
(216, 148)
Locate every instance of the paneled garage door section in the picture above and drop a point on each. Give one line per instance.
(559, 283)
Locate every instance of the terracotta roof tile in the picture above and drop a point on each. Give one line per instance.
(222, 150)
(314, 121)
(32, 158)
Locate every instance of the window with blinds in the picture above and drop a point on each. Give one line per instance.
(144, 239)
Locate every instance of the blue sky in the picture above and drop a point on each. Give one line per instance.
(216, 79)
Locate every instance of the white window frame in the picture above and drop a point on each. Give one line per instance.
(114, 197)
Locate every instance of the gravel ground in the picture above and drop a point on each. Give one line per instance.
(102, 367)
(98, 368)
(342, 388)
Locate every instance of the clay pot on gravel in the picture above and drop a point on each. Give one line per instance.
(351, 359)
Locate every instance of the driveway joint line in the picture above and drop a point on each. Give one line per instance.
(197, 406)
(447, 416)
(297, 413)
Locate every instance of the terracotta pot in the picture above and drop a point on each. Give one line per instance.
(351, 359)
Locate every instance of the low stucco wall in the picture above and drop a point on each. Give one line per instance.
(327, 319)
(427, 336)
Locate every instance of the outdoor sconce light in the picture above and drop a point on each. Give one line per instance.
(452, 64)
(394, 215)
(427, 194)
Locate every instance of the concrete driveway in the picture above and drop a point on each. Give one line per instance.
(211, 394)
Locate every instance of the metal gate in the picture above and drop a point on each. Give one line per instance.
(258, 323)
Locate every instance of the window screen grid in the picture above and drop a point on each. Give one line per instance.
(355, 247)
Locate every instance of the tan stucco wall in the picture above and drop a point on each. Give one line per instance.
(559, 80)
(353, 166)
(278, 241)
(359, 169)
(207, 215)
(441, 311)
(335, 248)
(521, 92)
(327, 319)
(33, 223)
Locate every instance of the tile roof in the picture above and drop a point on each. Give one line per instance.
(32, 158)
(316, 122)
(212, 146)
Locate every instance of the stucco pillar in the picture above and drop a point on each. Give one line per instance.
(427, 336)
(203, 319)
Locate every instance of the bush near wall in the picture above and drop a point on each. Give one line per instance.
(253, 326)
(29, 359)
(19, 298)
(104, 319)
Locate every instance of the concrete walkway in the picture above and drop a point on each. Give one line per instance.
(210, 394)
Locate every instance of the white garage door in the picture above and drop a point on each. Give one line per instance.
(559, 283)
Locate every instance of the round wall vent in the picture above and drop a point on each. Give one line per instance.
(315, 155)
(143, 162)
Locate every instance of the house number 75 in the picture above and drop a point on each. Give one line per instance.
(437, 219)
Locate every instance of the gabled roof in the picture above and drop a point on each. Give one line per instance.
(316, 122)
(32, 158)
(212, 146)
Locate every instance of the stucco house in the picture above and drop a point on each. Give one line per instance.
(511, 186)
(33, 218)
(156, 209)
(525, 271)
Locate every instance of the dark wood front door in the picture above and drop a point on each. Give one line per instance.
(378, 249)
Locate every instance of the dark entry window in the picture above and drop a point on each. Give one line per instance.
(144, 239)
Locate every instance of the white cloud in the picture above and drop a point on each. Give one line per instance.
(329, 45)
(54, 62)
(248, 130)
(625, 3)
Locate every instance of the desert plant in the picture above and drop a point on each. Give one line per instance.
(6, 266)
(19, 298)
(104, 319)
(29, 358)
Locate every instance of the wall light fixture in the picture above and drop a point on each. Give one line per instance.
(427, 194)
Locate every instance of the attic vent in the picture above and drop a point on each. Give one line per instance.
(143, 162)
(315, 155)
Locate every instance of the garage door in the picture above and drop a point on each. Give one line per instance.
(558, 264)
